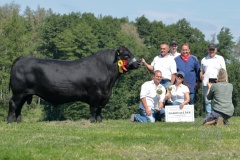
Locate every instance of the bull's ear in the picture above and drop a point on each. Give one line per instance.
(119, 51)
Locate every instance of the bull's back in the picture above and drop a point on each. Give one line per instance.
(66, 80)
(33, 73)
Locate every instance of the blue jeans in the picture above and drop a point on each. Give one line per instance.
(208, 106)
(176, 103)
(165, 82)
(143, 117)
(214, 116)
(192, 96)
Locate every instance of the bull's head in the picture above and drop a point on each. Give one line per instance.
(126, 59)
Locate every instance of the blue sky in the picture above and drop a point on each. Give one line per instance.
(209, 16)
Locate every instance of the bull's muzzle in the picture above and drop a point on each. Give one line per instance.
(135, 63)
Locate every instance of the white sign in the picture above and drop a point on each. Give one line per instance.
(174, 114)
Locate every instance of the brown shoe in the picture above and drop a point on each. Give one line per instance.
(213, 122)
(219, 121)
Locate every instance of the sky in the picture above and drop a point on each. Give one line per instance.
(209, 16)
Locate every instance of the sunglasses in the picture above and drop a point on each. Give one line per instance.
(179, 76)
(211, 49)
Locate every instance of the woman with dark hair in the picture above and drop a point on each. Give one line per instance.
(179, 92)
(221, 94)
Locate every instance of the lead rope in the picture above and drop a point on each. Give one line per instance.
(148, 72)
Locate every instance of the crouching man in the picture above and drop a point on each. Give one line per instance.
(152, 100)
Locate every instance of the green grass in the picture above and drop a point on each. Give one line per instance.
(118, 139)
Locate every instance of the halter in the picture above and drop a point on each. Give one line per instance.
(122, 63)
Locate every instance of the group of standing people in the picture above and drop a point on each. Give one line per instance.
(177, 77)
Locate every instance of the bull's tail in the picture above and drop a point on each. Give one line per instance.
(9, 85)
(8, 92)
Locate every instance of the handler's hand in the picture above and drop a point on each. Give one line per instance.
(143, 61)
(209, 84)
(167, 96)
(148, 112)
(197, 85)
(181, 105)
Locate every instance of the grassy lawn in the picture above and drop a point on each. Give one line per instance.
(118, 139)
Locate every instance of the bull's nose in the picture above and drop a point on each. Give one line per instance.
(139, 62)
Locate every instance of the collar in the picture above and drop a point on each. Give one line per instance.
(152, 82)
(164, 56)
(173, 53)
(215, 56)
(179, 85)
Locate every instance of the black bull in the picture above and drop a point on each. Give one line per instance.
(89, 80)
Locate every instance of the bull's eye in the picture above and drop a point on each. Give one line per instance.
(126, 57)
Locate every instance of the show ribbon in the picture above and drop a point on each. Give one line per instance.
(125, 62)
(121, 65)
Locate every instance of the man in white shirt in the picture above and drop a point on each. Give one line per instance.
(173, 49)
(166, 64)
(210, 66)
(152, 100)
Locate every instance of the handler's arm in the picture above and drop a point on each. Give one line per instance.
(201, 74)
(173, 79)
(210, 92)
(149, 67)
(144, 102)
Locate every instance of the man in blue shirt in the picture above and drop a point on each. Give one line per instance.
(190, 65)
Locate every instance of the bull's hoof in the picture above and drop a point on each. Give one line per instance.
(99, 119)
(9, 121)
(92, 120)
(19, 119)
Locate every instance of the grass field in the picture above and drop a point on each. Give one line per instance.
(118, 139)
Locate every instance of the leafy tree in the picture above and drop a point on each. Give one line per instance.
(106, 31)
(77, 42)
(53, 26)
(144, 28)
(236, 50)
(233, 72)
(225, 44)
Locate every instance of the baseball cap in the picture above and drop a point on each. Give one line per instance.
(181, 73)
(173, 42)
(211, 46)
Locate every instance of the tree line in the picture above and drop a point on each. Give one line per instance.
(45, 34)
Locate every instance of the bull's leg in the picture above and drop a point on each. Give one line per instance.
(18, 113)
(12, 107)
(98, 114)
(93, 114)
(15, 106)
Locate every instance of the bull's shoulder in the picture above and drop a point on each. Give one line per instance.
(105, 55)
(18, 60)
